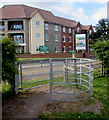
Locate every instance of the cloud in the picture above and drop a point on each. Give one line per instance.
(100, 13)
(68, 9)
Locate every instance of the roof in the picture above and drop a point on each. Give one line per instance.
(24, 11)
(86, 27)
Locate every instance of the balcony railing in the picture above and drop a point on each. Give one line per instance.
(16, 27)
(20, 42)
(2, 27)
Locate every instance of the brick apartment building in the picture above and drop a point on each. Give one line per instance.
(31, 28)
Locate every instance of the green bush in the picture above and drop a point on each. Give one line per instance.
(8, 61)
(102, 52)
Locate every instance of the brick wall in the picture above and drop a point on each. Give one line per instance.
(61, 55)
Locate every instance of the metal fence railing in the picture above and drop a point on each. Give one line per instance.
(69, 79)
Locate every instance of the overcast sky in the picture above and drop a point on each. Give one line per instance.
(85, 11)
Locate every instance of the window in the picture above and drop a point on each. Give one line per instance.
(46, 38)
(56, 38)
(46, 26)
(64, 48)
(69, 30)
(37, 23)
(56, 49)
(64, 30)
(18, 38)
(70, 39)
(64, 39)
(78, 29)
(56, 27)
(90, 31)
(38, 35)
(2, 36)
(37, 49)
(2, 27)
(70, 49)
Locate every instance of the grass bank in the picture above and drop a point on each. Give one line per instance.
(101, 87)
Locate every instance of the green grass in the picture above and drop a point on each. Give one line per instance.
(101, 87)
(36, 83)
(31, 58)
(6, 91)
(89, 102)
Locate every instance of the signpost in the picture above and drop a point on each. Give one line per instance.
(73, 53)
(80, 41)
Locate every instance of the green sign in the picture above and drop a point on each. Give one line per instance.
(73, 51)
(44, 49)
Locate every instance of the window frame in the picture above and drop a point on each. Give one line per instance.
(37, 35)
(46, 26)
(56, 28)
(56, 36)
(70, 39)
(70, 30)
(64, 29)
(64, 38)
(46, 37)
(37, 23)
(64, 49)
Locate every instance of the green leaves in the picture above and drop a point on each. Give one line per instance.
(8, 61)
(102, 52)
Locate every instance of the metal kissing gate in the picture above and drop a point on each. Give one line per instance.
(68, 79)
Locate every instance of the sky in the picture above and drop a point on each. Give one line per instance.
(87, 12)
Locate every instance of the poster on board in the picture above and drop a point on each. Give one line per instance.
(80, 41)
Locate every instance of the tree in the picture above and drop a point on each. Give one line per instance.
(102, 31)
(100, 43)
(8, 61)
(102, 52)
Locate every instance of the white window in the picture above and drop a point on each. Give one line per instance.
(64, 48)
(56, 38)
(46, 26)
(90, 31)
(38, 35)
(64, 39)
(46, 38)
(2, 27)
(56, 49)
(78, 29)
(64, 30)
(70, 30)
(70, 48)
(56, 27)
(37, 23)
(70, 39)
(37, 49)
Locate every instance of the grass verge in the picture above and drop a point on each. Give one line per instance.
(101, 87)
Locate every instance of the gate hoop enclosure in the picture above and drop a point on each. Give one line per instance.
(69, 79)
(74, 82)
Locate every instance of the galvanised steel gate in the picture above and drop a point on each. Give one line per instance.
(69, 79)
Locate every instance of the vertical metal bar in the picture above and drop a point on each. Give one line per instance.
(51, 78)
(16, 78)
(66, 70)
(41, 63)
(90, 83)
(80, 70)
(21, 75)
(75, 72)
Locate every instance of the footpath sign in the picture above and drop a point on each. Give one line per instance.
(80, 41)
